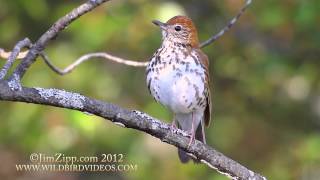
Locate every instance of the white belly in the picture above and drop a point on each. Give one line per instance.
(180, 93)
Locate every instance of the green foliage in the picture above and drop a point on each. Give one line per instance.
(265, 82)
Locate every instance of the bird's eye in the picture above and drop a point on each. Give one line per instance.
(177, 28)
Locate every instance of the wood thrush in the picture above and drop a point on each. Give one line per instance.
(178, 78)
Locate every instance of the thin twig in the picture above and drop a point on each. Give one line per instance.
(53, 31)
(89, 56)
(5, 55)
(13, 55)
(227, 27)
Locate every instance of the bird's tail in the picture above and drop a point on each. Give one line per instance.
(200, 135)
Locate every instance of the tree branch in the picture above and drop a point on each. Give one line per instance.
(89, 56)
(13, 56)
(5, 55)
(227, 27)
(130, 119)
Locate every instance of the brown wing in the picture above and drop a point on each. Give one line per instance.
(205, 62)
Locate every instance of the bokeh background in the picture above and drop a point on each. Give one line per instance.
(265, 74)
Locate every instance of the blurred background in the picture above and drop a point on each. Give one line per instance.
(265, 74)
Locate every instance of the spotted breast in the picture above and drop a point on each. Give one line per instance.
(176, 78)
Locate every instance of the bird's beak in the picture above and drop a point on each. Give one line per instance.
(160, 24)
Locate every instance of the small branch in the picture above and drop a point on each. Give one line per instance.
(5, 55)
(89, 56)
(13, 56)
(130, 119)
(53, 31)
(227, 27)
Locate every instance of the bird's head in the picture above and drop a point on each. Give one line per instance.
(179, 29)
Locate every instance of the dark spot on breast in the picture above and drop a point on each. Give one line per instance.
(177, 60)
(179, 74)
(202, 79)
(149, 83)
(199, 101)
(197, 90)
(157, 60)
(148, 71)
(195, 59)
(197, 73)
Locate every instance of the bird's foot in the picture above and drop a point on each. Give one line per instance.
(173, 127)
(192, 139)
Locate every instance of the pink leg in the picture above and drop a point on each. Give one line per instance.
(192, 131)
(173, 125)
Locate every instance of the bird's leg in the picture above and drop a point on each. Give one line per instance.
(192, 132)
(173, 125)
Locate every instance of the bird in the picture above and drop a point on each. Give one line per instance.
(177, 77)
